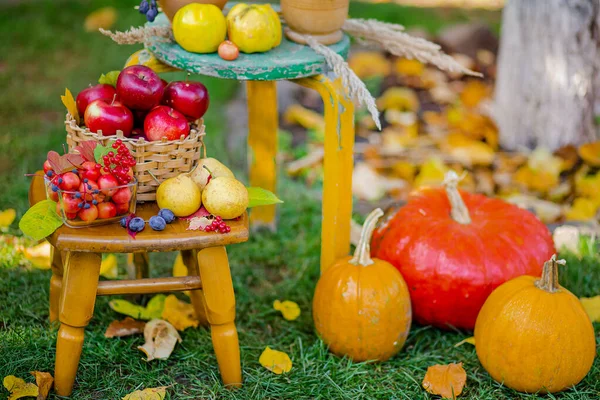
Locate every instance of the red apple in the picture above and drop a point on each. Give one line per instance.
(99, 92)
(107, 183)
(139, 88)
(70, 181)
(47, 166)
(106, 210)
(70, 203)
(108, 117)
(189, 98)
(88, 214)
(123, 195)
(52, 195)
(166, 122)
(91, 170)
(122, 208)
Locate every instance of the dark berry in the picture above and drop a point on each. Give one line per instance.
(80, 205)
(167, 215)
(136, 224)
(151, 14)
(85, 180)
(49, 173)
(124, 221)
(157, 223)
(144, 7)
(75, 171)
(77, 195)
(86, 206)
(95, 202)
(60, 180)
(54, 188)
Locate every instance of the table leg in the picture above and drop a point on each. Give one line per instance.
(338, 166)
(80, 283)
(220, 311)
(55, 283)
(262, 146)
(190, 259)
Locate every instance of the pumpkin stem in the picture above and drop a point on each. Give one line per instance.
(458, 211)
(549, 279)
(362, 254)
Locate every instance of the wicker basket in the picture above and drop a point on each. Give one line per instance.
(156, 161)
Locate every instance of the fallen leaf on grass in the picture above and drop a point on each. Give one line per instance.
(275, 361)
(289, 309)
(125, 327)
(161, 338)
(582, 210)
(590, 153)
(432, 173)
(18, 388)
(470, 340)
(7, 217)
(474, 92)
(592, 307)
(108, 268)
(447, 380)
(69, 103)
(39, 255)
(44, 382)
(399, 98)
(409, 67)
(158, 393)
(153, 310)
(104, 18)
(366, 64)
(179, 313)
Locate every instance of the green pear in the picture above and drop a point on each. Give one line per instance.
(200, 174)
(226, 197)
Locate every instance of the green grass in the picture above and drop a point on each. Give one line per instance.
(45, 50)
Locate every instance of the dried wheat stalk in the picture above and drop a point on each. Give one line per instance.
(141, 34)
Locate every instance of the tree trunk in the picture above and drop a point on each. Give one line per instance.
(548, 66)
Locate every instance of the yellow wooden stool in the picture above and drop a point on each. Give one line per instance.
(75, 282)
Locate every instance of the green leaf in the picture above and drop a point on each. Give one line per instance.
(41, 220)
(153, 310)
(110, 78)
(261, 197)
(100, 151)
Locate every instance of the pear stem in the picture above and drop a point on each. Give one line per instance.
(549, 279)
(458, 211)
(362, 254)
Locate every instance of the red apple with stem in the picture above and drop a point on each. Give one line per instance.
(108, 118)
(88, 214)
(107, 183)
(99, 92)
(70, 181)
(188, 97)
(106, 210)
(165, 122)
(139, 88)
(90, 170)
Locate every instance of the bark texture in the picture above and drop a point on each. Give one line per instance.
(548, 67)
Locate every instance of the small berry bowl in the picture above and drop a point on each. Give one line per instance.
(90, 205)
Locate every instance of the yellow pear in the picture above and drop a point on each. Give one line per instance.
(180, 195)
(200, 174)
(225, 197)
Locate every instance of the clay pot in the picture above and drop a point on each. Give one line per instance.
(322, 19)
(170, 7)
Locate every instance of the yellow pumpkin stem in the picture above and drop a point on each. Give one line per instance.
(362, 254)
(458, 211)
(549, 279)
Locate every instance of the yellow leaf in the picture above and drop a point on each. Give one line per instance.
(474, 92)
(44, 383)
(104, 18)
(432, 173)
(587, 184)
(39, 255)
(590, 153)
(367, 64)
(144, 57)
(125, 327)
(153, 310)
(18, 388)
(407, 67)
(447, 381)
(296, 114)
(7, 217)
(158, 393)
(179, 313)
(69, 103)
(538, 180)
(275, 361)
(592, 307)
(161, 338)
(582, 210)
(470, 340)
(399, 98)
(404, 170)
(108, 268)
(289, 309)
(467, 151)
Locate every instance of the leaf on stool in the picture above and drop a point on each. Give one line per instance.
(161, 338)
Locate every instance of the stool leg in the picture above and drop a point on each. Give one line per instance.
(262, 146)
(337, 167)
(220, 308)
(55, 283)
(190, 259)
(142, 265)
(79, 287)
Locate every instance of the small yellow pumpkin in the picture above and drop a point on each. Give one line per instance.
(533, 335)
(361, 307)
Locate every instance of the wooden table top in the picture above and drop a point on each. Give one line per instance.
(112, 238)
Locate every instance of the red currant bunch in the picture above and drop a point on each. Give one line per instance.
(218, 225)
(119, 164)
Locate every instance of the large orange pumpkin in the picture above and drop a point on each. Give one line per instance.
(454, 248)
(533, 335)
(361, 306)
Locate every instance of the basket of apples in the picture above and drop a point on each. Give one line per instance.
(159, 123)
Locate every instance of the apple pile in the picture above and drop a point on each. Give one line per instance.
(142, 105)
(86, 189)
